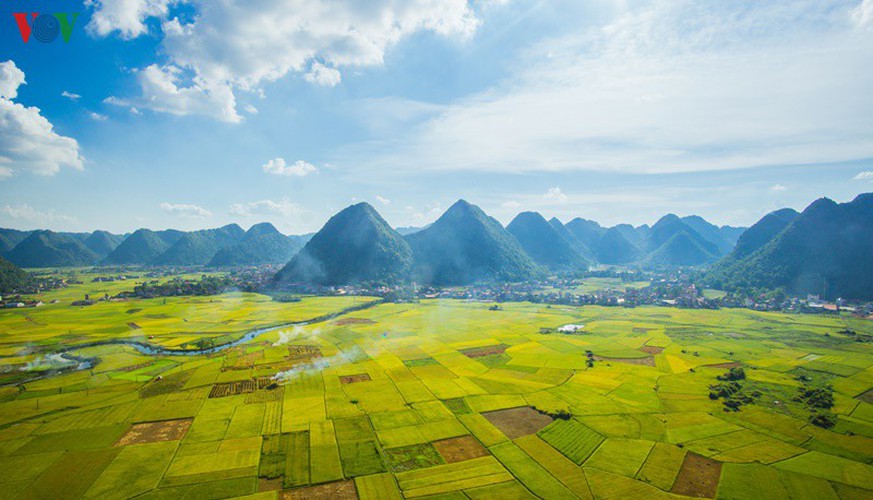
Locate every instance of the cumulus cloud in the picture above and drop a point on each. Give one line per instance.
(384, 201)
(778, 188)
(283, 207)
(322, 75)
(97, 116)
(299, 168)
(28, 142)
(185, 210)
(863, 14)
(164, 89)
(31, 215)
(231, 45)
(71, 96)
(555, 195)
(864, 176)
(125, 17)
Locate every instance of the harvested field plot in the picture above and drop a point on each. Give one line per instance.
(698, 477)
(166, 385)
(867, 397)
(645, 361)
(354, 321)
(725, 366)
(303, 351)
(353, 379)
(152, 432)
(480, 352)
(240, 387)
(517, 422)
(339, 490)
(650, 349)
(459, 449)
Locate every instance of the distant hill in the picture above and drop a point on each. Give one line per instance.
(586, 231)
(103, 243)
(614, 247)
(665, 246)
(355, 245)
(464, 246)
(142, 247)
(11, 277)
(11, 237)
(49, 249)
(403, 231)
(262, 244)
(709, 232)
(824, 250)
(731, 234)
(544, 244)
(198, 247)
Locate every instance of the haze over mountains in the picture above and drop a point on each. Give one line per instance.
(823, 250)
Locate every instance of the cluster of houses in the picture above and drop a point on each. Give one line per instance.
(18, 301)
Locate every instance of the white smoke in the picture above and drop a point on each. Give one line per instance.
(285, 337)
(48, 362)
(316, 365)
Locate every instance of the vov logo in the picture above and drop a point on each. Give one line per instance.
(46, 27)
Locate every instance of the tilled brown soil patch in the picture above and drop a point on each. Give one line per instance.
(338, 490)
(353, 379)
(650, 349)
(240, 387)
(698, 477)
(459, 449)
(647, 361)
(479, 352)
(518, 422)
(153, 432)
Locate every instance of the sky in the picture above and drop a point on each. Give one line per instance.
(191, 114)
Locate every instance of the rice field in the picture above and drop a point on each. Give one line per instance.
(438, 398)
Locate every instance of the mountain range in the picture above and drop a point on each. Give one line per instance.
(824, 250)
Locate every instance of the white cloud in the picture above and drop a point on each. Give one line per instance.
(555, 195)
(233, 45)
(28, 142)
(248, 108)
(863, 14)
(864, 176)
(97, 116)
(778, 188)
(71, 96)
(164, 90)
(664, 87)
(126, 17)
(299, 168)
(185, 210)
(322, 75)
(29, 214)
(384, 201)
(284, 207)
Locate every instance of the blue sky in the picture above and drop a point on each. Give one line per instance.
(191, 114)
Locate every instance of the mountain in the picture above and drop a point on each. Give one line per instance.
(631, 234)
(614, 247)
(763, 231)
(262, 244)
(142, 247)
(664, 246)
(464, 246)
(11, 277)
(824, 250)
(49, 249)
(11, 237)
(586, 231)
(574, 242)
(103, 243)
(355, 245)
(403, 231)
(709, 232)
(198, 247)
(544, 244)
(731, 234)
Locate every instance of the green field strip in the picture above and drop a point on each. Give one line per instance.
(530, 473)
(377, 487)
(559, 466)
(576, 441)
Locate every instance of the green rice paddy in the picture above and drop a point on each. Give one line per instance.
(370, 403)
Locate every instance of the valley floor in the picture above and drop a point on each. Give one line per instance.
(442, 398)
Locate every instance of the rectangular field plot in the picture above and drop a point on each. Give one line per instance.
(517, 422)
(452, 477)
(151, 432)
(576, 441)
(698, 477)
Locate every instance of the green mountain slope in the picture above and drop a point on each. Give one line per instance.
(464, 246)
(198, 247)
(355, 245)
(262, 244)
(12, 278)
(103, 243)
(825, 250)
(614, 247)
(544, 244)
(49, 249)
(142, 247)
